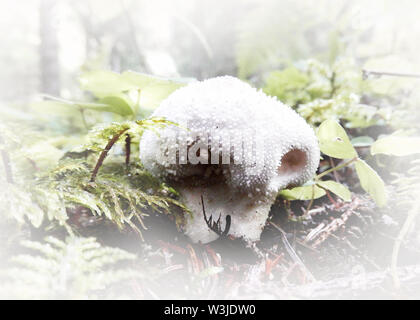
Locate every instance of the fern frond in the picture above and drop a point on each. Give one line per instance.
(121, 194)
(78, 268)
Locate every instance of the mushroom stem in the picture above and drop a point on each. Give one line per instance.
(225, 212)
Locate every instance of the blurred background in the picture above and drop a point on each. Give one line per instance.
(47, 43)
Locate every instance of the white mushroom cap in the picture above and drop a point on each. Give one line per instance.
(279, 148)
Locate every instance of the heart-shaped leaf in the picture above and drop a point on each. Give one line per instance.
(336, 188)
(371, 182)
(152, 89)
(303, 193)
(117, 104)
(105, 83)
(396, 146)
(334, 142)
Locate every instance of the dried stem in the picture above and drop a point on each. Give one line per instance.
(334, 172)
(345, 164)
(105, 153)
(127, 149)
(293, 253)
(367, 73)
(310, 202)
(397, 245)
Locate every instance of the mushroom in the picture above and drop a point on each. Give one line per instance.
(232, 150)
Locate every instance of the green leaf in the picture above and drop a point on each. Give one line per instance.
(152, 89)
(64, 107)
(362, 141)
(43, 153)
(336, 188)
(287, 85)
(303, 193)
(334, 142)
(396, 146)
(49, 107)
(371, 182)
(95, 270)
(117, 104)
(105, 83)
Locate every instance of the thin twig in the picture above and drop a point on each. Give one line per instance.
(293, 253)
(334, 172)
(327, 192)
(104, 153)
(397, 245)
(33, 163)
(127, 149)
(355, 286)
(310, 202)
(367, 73)
(345, 164)
(321, 233)
(333, 86)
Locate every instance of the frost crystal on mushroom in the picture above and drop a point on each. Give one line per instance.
(235, 148)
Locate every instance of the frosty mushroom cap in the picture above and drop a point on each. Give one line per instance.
(282, 148)
(228, 106)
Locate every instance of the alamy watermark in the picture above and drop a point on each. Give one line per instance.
(215, 147)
